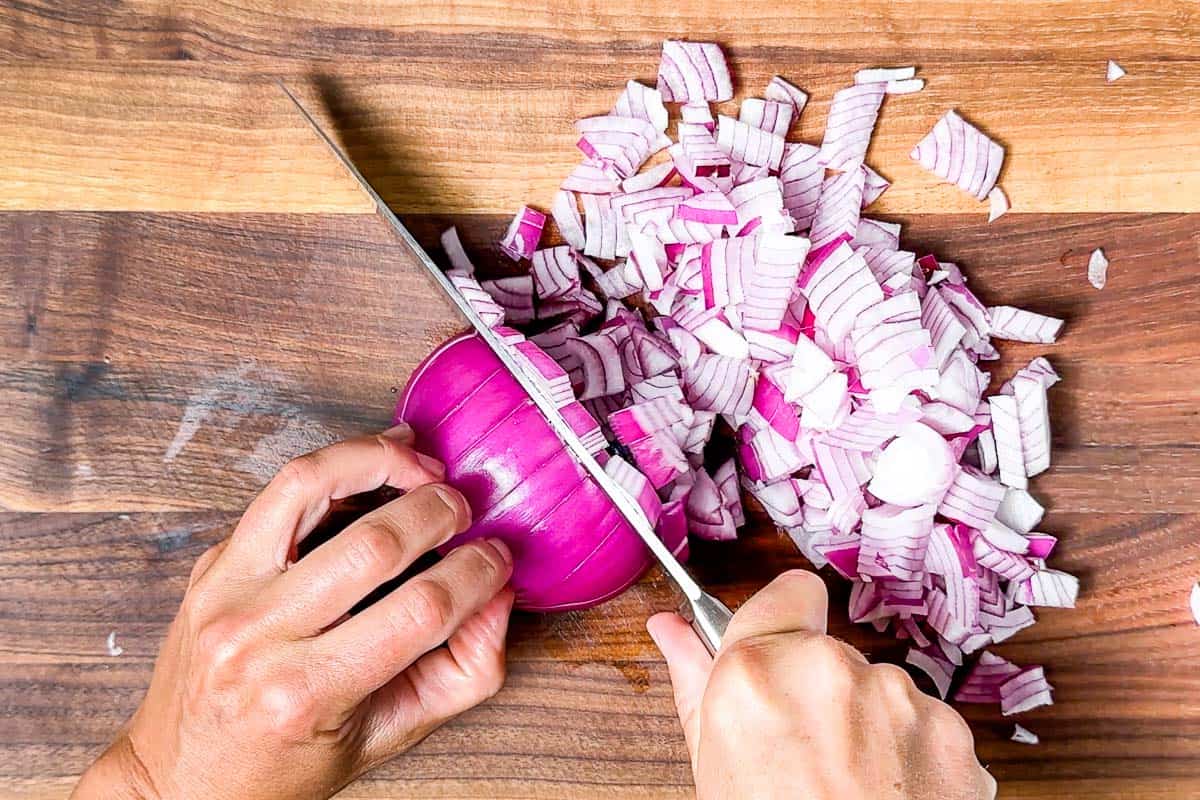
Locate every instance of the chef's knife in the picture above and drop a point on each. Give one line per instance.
(709, 616)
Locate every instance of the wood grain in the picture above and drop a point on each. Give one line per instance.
(587, 709)
(890, 30)
(191, 291)
(115, 338)
(454, 132)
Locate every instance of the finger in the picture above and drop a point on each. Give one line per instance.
(205, 561)
(795, 601)
(689, 665)
(988, 787)
(369, 649)
(299, 496)
(315, 592)
(442, 684)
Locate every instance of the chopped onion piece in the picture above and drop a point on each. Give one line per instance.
(1022, 735)
(850, 125)
(1098, 269)
(642, 102)
(884, 74)
(455, 252)
(772, 116)
(691, 71)
(1113, 72)
(959, 153)
(782, 91)
(1024, 691)
(565, 211)
(908, 86)
(110, 644)
(1019, 325)
(744, 142)
(939, 669)
(1194, 602)
(523, 234)
(916, 467)
(997, 203)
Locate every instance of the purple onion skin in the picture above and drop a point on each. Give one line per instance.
(571, 547)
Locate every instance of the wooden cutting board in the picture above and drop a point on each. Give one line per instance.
(191, 292)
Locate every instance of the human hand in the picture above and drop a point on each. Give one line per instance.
(787, 711)
(266, 688)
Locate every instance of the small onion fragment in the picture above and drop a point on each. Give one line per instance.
(1098, 269)
(997, 204)
(1113, 72)
(1022, 735)
(110, 644)
(1194, 602)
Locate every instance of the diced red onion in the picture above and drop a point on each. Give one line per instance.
(850, 125)
(1019, 325)
(802, 174)
(782, 91)
(455, 253)
(838, 208)
(997, 203)
(1113, 72)
(773, 116)
(957, 152)
(744, 142)
(691, 71)
(523, 234)
(642, 102)
(1022, 735)
(1098, 269)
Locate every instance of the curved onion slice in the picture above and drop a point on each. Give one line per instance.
(782, 91)
(692, 71)
(850, 125)
(957, 152)
(642, 102)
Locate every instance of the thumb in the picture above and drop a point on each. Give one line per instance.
(689, 665)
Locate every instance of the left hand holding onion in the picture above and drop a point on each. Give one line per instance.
(266, 688)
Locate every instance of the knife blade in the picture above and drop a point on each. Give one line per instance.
(708, 615)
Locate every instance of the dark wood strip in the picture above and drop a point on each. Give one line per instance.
(534, 29)
(145, 353)
(588, 705)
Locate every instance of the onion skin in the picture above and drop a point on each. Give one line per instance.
(571, 547)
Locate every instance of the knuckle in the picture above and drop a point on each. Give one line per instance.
(948, 725)
(484, 563)
(893, 679)
(286, 709)
(300, 476)
(428, 605)
(374, 548)
(743, 677)
(828, 664)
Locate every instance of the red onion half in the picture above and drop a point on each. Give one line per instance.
(571, 547)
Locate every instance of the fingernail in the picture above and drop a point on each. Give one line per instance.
(431, 464)
(401, 430)
(505, 552)
(457, 504)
